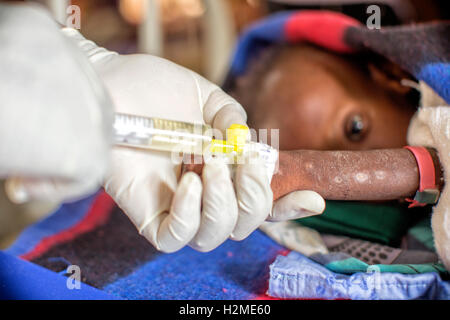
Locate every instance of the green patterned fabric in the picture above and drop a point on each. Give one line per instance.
(352, 265)
(384, 223)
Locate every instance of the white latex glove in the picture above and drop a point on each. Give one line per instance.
(200, 212)
(55, 115)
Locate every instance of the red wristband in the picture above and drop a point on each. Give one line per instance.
(428, 192)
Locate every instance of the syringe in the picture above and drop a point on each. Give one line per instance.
(188, 138)
(161, 134)
(176, 136)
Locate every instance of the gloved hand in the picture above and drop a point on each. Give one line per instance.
(55, 115)
(169, 212)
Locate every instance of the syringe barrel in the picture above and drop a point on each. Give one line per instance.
(161, 134)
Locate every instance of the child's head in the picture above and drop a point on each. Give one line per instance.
(322, 100)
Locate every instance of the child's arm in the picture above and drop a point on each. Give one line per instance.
(350, 175)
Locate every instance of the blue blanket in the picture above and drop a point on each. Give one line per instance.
(295, 276)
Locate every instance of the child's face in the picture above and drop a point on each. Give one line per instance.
(320, 101)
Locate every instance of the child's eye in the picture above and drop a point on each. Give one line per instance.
(355, 127)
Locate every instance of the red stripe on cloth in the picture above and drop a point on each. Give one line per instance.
(97, 215)
(323, 28)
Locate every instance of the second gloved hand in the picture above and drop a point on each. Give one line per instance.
(172, 212)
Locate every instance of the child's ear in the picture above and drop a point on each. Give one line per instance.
(389, 77)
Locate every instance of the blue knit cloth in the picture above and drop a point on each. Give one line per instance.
(235, 270)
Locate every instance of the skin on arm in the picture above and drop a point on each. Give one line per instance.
(371, 175)
(348, 175)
